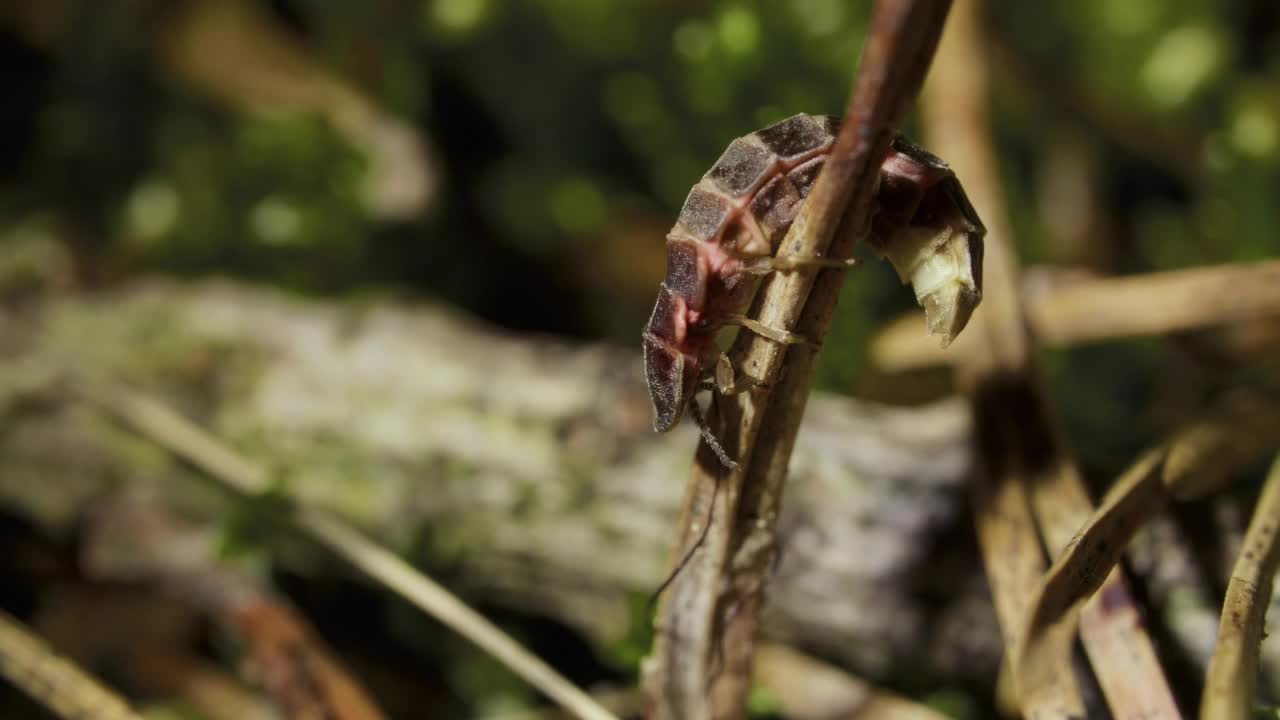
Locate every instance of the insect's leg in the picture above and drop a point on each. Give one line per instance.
(700, 419)
(688, 555)
(786, 263)
(725, 380)
(786, 337)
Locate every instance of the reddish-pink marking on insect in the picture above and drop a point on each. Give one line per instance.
(739, 211)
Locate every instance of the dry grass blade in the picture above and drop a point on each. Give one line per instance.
(1198, 459)
(168, 429)
(1083, 567)
(282, 653)
(904, 37)
(808, 689)
(1019, 445)
(61, 687)
(1233, 671)
(1155, 304)
(1014, 561)
(711, 609)
(1121, 653)
(1204, 455)
(626, 702)
(956, 126)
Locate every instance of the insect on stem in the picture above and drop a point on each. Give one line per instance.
(700, 417)
(729, 230)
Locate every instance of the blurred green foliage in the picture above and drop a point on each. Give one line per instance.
(1134, 135)
(561, 126)
(564, 134)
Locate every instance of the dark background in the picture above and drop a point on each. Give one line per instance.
(551, 143)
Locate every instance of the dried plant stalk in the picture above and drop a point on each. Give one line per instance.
(1013, 558)
(902, 64)
(61, 687)
(711, 609)
(282, 652)
(956, 125)
(1157, 303)
(1018, 442)
(1233, 671)
(1197, 460)
(1084, 566)
(1207, 453)
(1080, 312)
(809, 689)
(182, 438)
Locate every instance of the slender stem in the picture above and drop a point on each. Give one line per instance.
(1233, 671)
(179, 436)
(1089, 311)
(1030, 479)
(64, 689)
(707, 621)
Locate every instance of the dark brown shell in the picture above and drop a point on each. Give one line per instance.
(740, 209)
(757, 184)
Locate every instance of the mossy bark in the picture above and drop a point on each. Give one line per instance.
(522, 470)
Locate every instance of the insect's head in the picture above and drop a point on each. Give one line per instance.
(672, 377)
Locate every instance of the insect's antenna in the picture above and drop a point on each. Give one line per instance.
(701, 420)
(709, 436)
(688, 555)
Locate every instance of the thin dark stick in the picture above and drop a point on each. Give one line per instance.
(740, 539)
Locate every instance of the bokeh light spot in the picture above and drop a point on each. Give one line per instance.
(153, 210)
(577, 206)
(458, 16)
(739, 31)
(633, 99)
(1255, 132)
(1131, 17)
(820, 17)
(1184, 61)
(277, 222)
(693, 40)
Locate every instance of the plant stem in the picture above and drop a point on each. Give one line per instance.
(707, 622)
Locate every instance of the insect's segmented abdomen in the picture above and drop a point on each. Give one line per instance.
(739, 210)
(754, 190)
(923, 224)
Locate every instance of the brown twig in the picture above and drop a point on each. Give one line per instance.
(625, 701)
(179, 436)
(54, 682)
(1233, 672)
(1196, 461)
(284, 654)
(809, 689)
(1206, 453)
(202, 685)
(1099, 309)
(711, 610)
(994, 371)
(301, 675)
(1025, 460)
